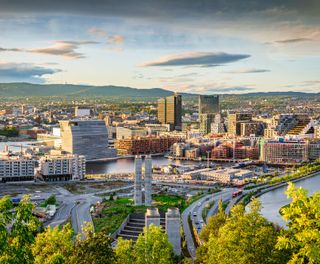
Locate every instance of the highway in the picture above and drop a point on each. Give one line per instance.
(197, 208)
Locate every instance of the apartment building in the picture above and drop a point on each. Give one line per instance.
(16, 168)
(62, 167)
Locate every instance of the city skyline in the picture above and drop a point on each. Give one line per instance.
(208, 47)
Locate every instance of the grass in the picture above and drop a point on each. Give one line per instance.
(113, 214)
(115, 211)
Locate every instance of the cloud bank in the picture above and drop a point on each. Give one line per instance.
(24, 72)
(203, 59)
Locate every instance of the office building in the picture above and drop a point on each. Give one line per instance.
(205, 123)
(62, 167)
(235, 120)
(170, 111)
(85, 137)
(208, 108)
(209, 104)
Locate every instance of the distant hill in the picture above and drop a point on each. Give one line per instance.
(61, 90)
(28, 89)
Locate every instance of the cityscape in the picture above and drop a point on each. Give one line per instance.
(219, 165)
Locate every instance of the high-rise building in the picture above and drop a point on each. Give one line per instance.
(85, 137)
(162, 106)
(170, 111)
(205, 122)
(148, 181)
(137, 181)
(209, 104)
(208, 108)
(235, 120)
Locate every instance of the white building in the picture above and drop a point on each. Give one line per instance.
(228, 176)
(62, 167)
(16, 168)
(80, 112)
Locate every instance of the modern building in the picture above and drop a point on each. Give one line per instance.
(170, 111)
(208, 108)
(251, 128)
(235, 120)
(80, 112)
(16, 168)
(85, 137)
(205, 122)
(128, 132)
(62, 167)
(209, 104)
(228, 176)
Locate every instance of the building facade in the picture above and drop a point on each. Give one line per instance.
(235, 120)
(16, 169)
(170, 111)
(62, 167)
(85, 137)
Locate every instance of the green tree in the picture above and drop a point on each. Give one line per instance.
(302, 236)
(214, 223)
(95, 248)
(51, 200)
(54, 246)
(15, 245)
(245, 238)
(124, 251)
(153, 247)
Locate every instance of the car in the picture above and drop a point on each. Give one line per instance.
(201, 221)
(195, 214)
(199, 204)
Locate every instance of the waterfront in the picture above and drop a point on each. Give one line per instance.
(272, 201)
(126, 165)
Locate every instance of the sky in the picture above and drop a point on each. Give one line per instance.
(203, 46)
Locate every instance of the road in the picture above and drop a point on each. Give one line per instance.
(75, 207)
(197, 208)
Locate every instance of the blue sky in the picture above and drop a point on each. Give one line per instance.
(187, 46)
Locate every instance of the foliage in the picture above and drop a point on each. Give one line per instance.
(214, 223)
(124, 251)
(15, 242)
(95, 248)
(300, 172)
(51, 200)
(303, 233)
(9, 132)
(54, 246)
(245, 237)
(152, 247)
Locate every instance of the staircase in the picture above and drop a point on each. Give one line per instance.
(134, 226)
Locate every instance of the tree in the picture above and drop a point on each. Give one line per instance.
(51, 200)
(245, 238)
(54, 246)
(15, 245)
(95, 248)
(153, 247)
(302, 236)
(214, 223)
(124, 251)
